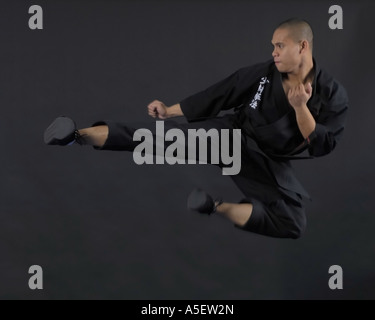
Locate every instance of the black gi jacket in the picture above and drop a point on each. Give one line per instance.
(269, 122)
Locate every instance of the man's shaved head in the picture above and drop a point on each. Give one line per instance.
(298, 30)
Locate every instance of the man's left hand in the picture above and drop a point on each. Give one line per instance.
(299, 95)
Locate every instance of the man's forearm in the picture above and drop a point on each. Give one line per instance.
(305, 120)
(174, 111)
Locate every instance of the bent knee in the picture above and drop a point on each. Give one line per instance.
(295, 226)
(278, 219)
(294, 233)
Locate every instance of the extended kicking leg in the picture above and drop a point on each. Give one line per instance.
(63, 131)
(95, 136)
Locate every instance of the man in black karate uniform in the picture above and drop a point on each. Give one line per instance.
(283, 107)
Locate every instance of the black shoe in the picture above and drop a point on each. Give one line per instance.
(62, 131)
(202, 202)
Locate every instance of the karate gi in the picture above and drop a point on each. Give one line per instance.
(270, 138)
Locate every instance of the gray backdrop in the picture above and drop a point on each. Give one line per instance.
(102, 227)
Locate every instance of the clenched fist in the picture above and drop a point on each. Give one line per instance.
(157, 109)
(299, 95)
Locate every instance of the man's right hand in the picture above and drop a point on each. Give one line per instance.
(157, 109)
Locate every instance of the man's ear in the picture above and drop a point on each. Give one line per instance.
(304, 46)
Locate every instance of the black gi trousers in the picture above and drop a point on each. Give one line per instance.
(274, 214)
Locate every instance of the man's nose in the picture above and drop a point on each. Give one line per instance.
(274, 53)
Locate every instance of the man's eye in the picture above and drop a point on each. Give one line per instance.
(281, 46)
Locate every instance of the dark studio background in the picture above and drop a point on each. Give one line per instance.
(102, 227)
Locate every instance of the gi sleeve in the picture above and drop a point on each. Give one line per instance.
(209, 102)
(330, 121)
(224, 95)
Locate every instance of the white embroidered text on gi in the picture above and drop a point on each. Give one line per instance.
(258, 95)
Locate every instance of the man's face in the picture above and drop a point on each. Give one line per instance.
(286, 52)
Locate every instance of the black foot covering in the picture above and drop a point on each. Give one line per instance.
(62, 131)
(202, 202)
